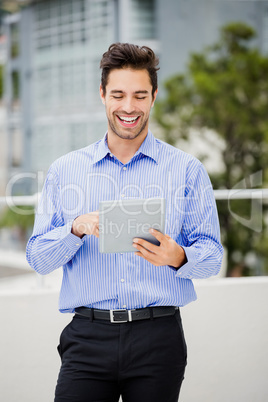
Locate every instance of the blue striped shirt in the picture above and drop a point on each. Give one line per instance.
(74, 186)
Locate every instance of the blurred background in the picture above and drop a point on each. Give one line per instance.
(212, 100)
(212, 103)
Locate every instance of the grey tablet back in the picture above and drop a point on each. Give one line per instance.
(122, 220)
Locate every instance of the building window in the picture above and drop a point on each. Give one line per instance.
(61, 87)
(99, 12)
(59, 23)
(142, 19)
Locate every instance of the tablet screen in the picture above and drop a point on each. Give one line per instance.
(122, 220)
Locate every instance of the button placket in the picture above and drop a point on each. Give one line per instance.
(123, 181)
(122, 272)
(122, 279)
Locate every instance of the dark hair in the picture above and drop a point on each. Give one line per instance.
(122, 55)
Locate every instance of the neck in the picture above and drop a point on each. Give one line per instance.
(124, 149)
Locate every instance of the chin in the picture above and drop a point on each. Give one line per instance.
(127, 136)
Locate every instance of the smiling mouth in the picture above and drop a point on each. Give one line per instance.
(128, 121)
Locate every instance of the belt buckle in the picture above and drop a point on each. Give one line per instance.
(112, 319)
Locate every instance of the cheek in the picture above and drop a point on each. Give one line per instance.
(109, 109)
(113, 107)
(147, 111)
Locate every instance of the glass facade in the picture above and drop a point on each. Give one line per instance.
(66, 39)
(59, 23)
(143, 19)
(68, 36)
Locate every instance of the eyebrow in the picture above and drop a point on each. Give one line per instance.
(116, 91)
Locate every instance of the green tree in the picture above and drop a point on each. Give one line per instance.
(225, 89)
(21, 219)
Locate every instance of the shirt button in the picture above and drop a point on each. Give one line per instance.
(122, 280)
(124, 168)
(111, 155)
(77, 244)
(124, 306)
(122, 195)
(121, 253)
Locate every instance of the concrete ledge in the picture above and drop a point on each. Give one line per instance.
(14, 259)
(226, 332)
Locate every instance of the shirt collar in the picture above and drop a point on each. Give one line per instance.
(102, 149)
(148, 148)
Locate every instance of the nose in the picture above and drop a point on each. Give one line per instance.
(128, 105)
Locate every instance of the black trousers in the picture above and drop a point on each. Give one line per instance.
(144, 361)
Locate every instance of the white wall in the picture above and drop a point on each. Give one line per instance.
(226, 332)
(227, 335)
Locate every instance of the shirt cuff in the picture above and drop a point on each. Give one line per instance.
(63, 234)
(185, 271)
(71, 241)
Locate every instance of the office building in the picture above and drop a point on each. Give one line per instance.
(53, 62)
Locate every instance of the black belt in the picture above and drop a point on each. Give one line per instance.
(121, 316)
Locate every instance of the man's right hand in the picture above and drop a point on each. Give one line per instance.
(87, 224)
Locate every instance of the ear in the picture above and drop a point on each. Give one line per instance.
(102, 95)
(154, 97)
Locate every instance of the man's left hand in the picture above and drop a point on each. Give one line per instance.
(167, 253)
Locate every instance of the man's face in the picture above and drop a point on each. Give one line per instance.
(128, 101)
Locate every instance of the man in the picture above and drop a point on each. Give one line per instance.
(138, 352)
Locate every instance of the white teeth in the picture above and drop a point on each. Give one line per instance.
(128, 119)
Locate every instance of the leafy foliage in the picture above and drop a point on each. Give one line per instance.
(225, 89)
(24, 217)
(20, 219)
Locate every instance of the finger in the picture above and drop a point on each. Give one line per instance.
(158, 235)
(145, 245)
(168, 237)
(142, 249)
(95, 233)
(96, 213)
(93, 216)
(96, 229)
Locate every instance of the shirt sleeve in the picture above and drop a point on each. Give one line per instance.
(52, 244)
(200, 232)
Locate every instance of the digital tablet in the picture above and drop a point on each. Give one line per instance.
(120, 221)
